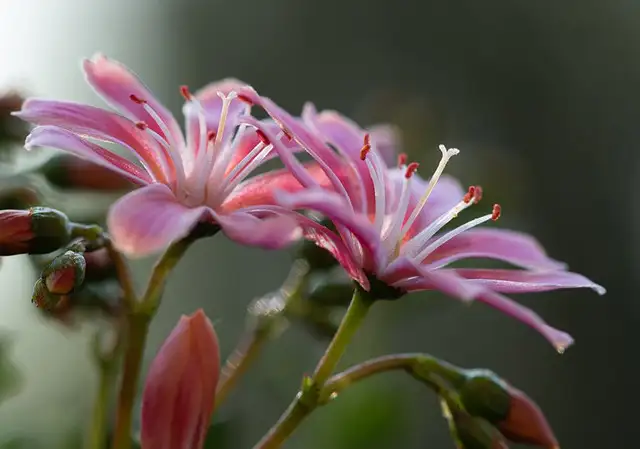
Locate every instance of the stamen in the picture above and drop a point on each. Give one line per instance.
(364, 151)
(245, 99)
(402, 160)
(248, 164)
(211, 136)
(184, 91)
(262, 136)
(411, 169)
(446, 155)
(137, 99)
(497, 211)
(451, 234)
(142, 126)
(287, 134)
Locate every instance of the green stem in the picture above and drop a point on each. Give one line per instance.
(262, 329)
(138, 322)
(308, 398)
(108, 371)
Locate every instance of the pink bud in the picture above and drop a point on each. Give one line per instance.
(180, 388)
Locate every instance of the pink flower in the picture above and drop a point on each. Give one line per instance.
(389, 222)
(179, 392)
(184, 181)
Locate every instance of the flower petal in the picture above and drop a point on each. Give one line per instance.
(387, 141)
(259, 189)
(52, 136)
(559, 339)
(147, 220)
(115, 83)
(513, 247)
(333, 206)
(271, 232)
(521, 281)
(98, 124)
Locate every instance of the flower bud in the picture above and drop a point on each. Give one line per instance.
(331, 290)
(39, 230)
(179, 392)
(70, 172)
(11, 128)
(517, 417)
(472, 432)
(319, 259)
(100, 266)
(65, 273)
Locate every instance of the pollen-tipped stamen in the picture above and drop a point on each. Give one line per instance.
(378, 183)
(494, 215)
(391, 235)
(413, 246)
(446, 155)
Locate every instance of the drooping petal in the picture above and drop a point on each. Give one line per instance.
(509, 246)
(521, 281)
(115, 83)
(271, 232)
(147, 220)
(52, 136)
(333, 206)
(98, 124)
(559, 339)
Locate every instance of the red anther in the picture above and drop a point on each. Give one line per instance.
(411, 169)
(478, 194)
(184, 91)
(402, 159)
(364, 151)
(245, 99)
(470, 194)
(497, 211)
(211, 136)
(367, 140)
(262, 136)
(137, 99)
(142, 126)
(287, 134)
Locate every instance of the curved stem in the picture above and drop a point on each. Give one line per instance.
(262, 329)
(138, 322)
(123, 274)
(308, 397)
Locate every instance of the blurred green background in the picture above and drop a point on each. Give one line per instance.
(540, 98)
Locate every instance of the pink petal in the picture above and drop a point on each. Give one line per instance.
(324, 155)
(259, 189)
(52, 136)
(98, 124)
(211, 105)
(509, 246)
(333, 206)
(387, 141)
(559, 339)
(147, 220)
(520, 281)
(115, 83)
(271, 232)
(406, 275)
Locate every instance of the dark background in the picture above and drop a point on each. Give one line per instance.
(539, 97)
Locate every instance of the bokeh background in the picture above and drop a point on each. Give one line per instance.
(541, 99)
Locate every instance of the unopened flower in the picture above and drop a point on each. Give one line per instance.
(472, 432)
(184, 180)
(179, 392)
(516, 415)
(38, 230)
(65, 273)
(70, 172)
(389, 222)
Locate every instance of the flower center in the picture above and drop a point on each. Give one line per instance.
(393, 227)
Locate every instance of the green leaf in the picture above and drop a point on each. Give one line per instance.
(10, 377)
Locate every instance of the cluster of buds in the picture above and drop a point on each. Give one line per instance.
(489, 411)
(61, 277)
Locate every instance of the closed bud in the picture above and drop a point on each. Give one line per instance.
(179, 392)
(472, 432)
(70, 172)
(518, 418)
(45, 300)
(65, 273)
(38, 230)
(100, 266)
